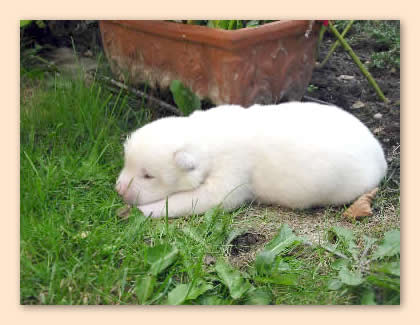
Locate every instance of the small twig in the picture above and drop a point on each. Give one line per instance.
(395, 149)
(356, 59)
(315, 100)
(336, 43)
(139, 93)
(50, 65)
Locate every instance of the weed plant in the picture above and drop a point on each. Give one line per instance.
(382, 35)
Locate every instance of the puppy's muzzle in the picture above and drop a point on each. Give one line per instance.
(122, 189)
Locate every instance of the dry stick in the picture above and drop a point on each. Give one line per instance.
(355, 58)
(336, 43)
(315, 100)
(139, 93)
(50, 65)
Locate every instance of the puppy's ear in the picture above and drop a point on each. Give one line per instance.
(184, 160)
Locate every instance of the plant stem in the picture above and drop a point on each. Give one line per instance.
(356, 59)
(336, 43)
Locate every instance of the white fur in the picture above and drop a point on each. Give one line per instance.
(297, 155)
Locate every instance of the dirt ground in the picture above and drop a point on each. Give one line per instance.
(332, 87)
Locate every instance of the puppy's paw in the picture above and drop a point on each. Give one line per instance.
(151, 210)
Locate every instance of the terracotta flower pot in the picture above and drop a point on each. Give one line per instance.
(265, 64)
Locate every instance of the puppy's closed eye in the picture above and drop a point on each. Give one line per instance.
(146, 175)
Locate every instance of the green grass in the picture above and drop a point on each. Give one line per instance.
(75, 249)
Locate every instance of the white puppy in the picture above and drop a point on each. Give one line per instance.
(297, 155)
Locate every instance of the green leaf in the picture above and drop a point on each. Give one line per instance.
(282, 266)
(183, 292)
(352, 278)
(209, 218)
(264, 262)
(392, 268)
(252, 23)
(335, 284)
(40, 24)
(343, 234)
(384, 281)
(212, 300)
(184, 98)
(260, 296)
(234, 233)
(221, 24)
(368, 297)
(194, 233)
(390, 245)
(200, 287)
(24, 23)
(160, 257)
(334, 249)
(234, 24)
(233, 279)
(344, 237)
(368, 242)
(284, 239)
(212, 23)
(178, 295)
(339, 264)
(144, 288)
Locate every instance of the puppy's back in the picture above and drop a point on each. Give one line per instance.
(311, 154)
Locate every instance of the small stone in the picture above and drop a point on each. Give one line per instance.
(358, 104)
(377, 116)
(84, 234)
(88, 53)
(88, 79)
(378, 130)
(345, 77)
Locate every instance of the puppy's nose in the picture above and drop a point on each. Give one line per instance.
(120, 188)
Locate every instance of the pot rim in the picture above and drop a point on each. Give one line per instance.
(225, 39)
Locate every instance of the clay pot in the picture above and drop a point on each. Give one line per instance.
(265, 64)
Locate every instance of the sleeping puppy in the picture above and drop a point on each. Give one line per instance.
(296, 155)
